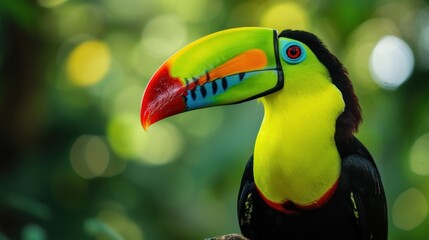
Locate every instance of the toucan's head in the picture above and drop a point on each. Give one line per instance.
(241, 64)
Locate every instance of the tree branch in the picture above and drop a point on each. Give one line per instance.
(233, 236)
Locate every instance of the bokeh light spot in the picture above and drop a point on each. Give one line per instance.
(289, 15)
(164, 35)
(360, 46)
(101, 230)
(88, 63)
(122, 46)
(391, 62)
(33, 232)
(204, 122)
(199, 11)
(115, 167)
(161, 144)
(128, 11)
(123, 225)
(409, 209)
(122, 132)
(76, 18)
(97, 155)
(419, 155)
(89, 156)
(128, 99)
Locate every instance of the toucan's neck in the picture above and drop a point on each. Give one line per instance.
(295, 157)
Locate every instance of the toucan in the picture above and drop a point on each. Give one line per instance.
(309, 176)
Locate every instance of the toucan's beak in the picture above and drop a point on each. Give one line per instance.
(226, 67)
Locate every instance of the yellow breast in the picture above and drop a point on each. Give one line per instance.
(295, 156)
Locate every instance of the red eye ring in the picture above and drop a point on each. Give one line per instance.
(293, 52)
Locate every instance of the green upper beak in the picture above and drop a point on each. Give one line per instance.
(226, 67)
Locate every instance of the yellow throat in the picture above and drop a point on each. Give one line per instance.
(295, 156)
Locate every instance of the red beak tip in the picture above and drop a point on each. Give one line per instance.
(144, 120)
(162, 97)
(146, 125)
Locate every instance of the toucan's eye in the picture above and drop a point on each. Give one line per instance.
(293, 52)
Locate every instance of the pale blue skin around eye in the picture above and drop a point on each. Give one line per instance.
(285, 44)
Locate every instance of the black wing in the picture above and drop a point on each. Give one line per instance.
(367, 193)
(246, 196)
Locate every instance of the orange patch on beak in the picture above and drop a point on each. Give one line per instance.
(248, 61)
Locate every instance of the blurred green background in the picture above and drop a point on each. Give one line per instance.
(75, 162)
